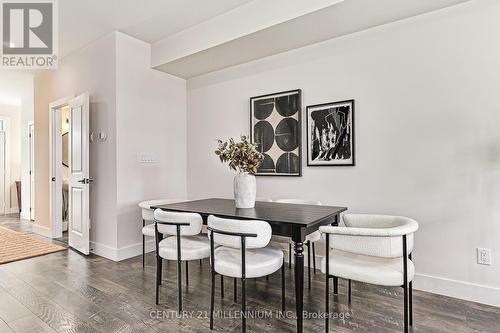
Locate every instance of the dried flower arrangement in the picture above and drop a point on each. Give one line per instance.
(241, 156)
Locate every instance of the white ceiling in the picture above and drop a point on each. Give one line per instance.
(83, 21)
(334, 21)
(15, 86)
(177, 23)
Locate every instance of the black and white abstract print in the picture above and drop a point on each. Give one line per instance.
(275, 128)
(330, 133)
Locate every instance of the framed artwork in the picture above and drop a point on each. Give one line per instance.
(275, 127)
(330, 134)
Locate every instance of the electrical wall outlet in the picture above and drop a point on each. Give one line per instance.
(483, 256)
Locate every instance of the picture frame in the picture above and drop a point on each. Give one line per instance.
(276, 128)
(330, 134)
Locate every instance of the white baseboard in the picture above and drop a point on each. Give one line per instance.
(458, 289)
(42, 230)
(12, 210)
(433, 284)
(135, 250)
(25, 215)
(104, 251)
(119, 254)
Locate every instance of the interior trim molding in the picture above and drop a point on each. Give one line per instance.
(102, 250)
(42, 230)
(122, 253)
(25, 215)
(458, 289)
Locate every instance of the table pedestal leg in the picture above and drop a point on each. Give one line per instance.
(299, 283)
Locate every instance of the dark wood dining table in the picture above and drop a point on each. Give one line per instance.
(293, 220)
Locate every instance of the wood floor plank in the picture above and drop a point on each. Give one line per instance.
(10, 308)
(69, 292)
(31, 323)
(4, 328)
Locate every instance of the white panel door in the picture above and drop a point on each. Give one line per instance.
(79, 181)
(2, 172)
(32, 171)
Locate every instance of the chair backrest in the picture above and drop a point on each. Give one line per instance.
(382, 235)
(147, 212)
(260, 228)
(194, 228)
(299, 201)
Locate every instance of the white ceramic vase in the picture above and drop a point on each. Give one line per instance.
(245, 190)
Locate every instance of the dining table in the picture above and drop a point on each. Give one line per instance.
(292, 220)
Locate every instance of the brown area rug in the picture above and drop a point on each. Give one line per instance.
(16, 246)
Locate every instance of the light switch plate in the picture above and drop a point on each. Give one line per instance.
(147, 158)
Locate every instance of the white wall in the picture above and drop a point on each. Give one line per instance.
(427, 138)
(11, 115)
(16, 89)
(150, 119)
(92, 70)
(141, 110)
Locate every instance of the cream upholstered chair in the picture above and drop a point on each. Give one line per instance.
(185, 243)
(243, 253)
(148, 227)
(372, 249)
(310, 239)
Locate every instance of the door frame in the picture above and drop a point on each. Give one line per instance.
(7, 160)
(31, 170)
(55, 161)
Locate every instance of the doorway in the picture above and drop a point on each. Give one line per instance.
(69, 167)
(2, 170)
(31, 136)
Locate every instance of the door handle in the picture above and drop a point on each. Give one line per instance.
(82, 181)
(89, 180)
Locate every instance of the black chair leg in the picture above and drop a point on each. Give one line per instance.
(179, 283)
(411, 298)
(158, 278)
(187, 273)
(405, 283)
(143, 246)
(290, 255)
(349, 292)
(212, 301)
(222, 286)
(283, 286)
(267, 277)
(235, 289)
(309, 264)
(411, 302)
(143, 252)
(335, 285)
(405, 287)
(327, 285)
(314, 258)
(200, 262)
(243, 306)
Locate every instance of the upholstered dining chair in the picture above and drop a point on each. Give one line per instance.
(148, 227)
(310, 239)
(243, 253)
(373, 249)
(184, 243)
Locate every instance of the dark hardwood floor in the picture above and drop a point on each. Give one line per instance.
(68, 292)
